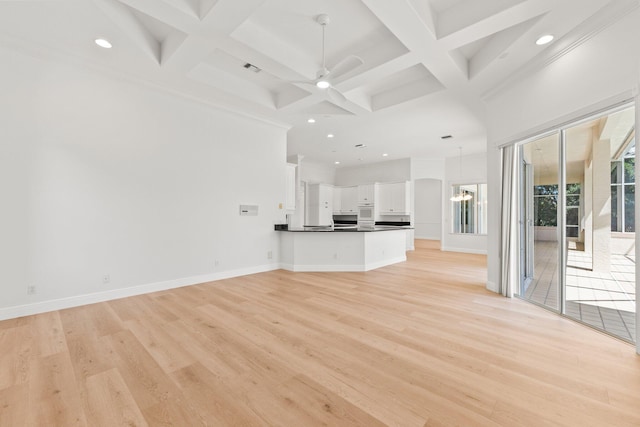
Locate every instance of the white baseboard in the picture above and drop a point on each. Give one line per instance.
(465, 250)
(78, 300)
(493, 287)
(426, 237)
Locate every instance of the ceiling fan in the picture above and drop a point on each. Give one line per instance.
(324, 75)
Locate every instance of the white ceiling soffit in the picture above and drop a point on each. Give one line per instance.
(426, 64)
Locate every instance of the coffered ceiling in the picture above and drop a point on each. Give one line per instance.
(403, 72)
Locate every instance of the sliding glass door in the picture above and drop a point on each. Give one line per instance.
(539, 226)
(577, 222)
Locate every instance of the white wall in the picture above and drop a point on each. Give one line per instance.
(470, 169)
(315, 172)
(427, 219)
(100, 176)
(427, 168)
(390, 171)
(602, 70)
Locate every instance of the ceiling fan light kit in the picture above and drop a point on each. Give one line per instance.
(324, 75)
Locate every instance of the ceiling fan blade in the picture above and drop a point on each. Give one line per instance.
(346, 65)
(303, 82)
(336, 95)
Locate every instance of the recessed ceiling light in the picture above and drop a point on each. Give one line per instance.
(544, 39)
(385, 155)
(103, 43)
(311, 120)
(330, 135)
(337, 163)
(323, 84)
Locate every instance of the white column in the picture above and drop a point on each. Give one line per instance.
(587, 192)
(601, 205)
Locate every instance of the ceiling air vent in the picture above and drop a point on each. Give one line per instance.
(446, 137)
(252, 67)
(360, 146)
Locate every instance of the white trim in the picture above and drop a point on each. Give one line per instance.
(344, 267)
(465, 250)
(609, 105)
(493, 287)
(78, 300)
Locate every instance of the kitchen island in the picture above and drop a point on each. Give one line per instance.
(354, 249)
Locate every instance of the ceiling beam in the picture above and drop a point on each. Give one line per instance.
(223, 18)
(515, 15)
(407, 26)
(138, 33)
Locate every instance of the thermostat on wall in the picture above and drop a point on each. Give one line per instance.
(249, 210)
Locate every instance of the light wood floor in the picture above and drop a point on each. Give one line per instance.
(420, 343)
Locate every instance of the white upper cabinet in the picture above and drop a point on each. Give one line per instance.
(345, 200)
(367, 194)
(394, 199)
(349, 201)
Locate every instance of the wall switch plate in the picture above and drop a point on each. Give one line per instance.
(31, 290)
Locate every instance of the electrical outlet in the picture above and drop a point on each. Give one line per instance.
(216, 263)
(335, 255)
(31, 290)
(106, 279)
(269, 254)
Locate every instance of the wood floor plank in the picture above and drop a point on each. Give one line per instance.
(110, 403)
(416, 344)
(213, 398)
(15, 365)
(54, 397)
(13, 411)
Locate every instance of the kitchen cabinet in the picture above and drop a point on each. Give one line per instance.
(337, 200)
(394, 199)
(349, 200)
(345, 200)
(319, 204)
(367, 194)
(290, 193)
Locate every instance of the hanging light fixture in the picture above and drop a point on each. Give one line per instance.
(461, 195)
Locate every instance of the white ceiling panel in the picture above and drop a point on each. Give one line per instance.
(426, 64)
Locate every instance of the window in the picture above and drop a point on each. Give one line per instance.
(546, 207)
(469, 205)
(623, 190)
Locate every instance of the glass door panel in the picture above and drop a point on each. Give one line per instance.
(539, 221)
(599, 287)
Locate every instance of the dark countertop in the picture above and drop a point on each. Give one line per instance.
(321, 229)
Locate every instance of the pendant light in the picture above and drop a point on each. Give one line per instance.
(462, 195)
